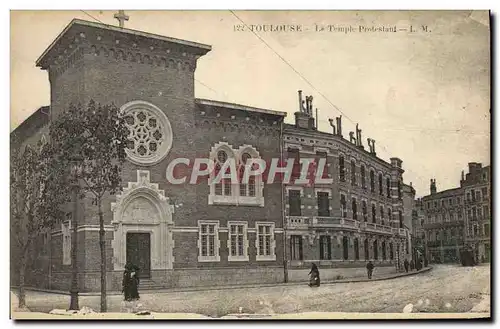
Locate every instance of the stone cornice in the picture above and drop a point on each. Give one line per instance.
(80, 32)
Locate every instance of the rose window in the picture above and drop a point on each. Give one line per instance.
(150, 134)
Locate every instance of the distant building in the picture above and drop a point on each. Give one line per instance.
(459, 216)
(476, 186)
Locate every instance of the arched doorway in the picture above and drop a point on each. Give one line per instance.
(375, 249)
(142, 221)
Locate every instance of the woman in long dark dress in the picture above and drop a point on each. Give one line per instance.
(126, 282)
(314, 279)
(134, 283)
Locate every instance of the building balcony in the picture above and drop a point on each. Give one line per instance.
(374, 227)
(298, 221)
(399, 231)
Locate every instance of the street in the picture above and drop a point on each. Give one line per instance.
(446, 288)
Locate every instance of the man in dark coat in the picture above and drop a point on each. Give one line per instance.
(369, 268)
(406, 265)
(314, 279)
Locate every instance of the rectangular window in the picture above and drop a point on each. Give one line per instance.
(382, 220)
(296, 247)
(208, 242)
(474, 213)
(353, 172)
(473, 194)
(341, 169)
(372, 181)
(294, 154)
(487, 230)
(319, 156)
(484, 192)
(400, 219)
(323, 204)
(374, 214)
(486, 212)
(365, 211)
(363, 177)
(478, 195)
(66, 247)
(343, 206)
(294, 203)
(238, 245)
(265, 242)
(325, 247)
(354, 209)
(380, 184)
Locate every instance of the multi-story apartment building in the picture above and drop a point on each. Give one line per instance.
(459, 216)
(477, 195)
(356, 213)
(444, 224)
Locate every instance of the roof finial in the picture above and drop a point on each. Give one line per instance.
(121, 17)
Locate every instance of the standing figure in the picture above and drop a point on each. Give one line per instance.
(406, 265)
(369, 268)
(126, 282)
(134, 282)
(314, 276)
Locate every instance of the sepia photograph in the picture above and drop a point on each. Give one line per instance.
(250, 164)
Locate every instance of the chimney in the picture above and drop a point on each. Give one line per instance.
(300, 100)
(304, 118)
(433, 186)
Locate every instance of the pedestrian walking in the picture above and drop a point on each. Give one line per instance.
(406, 265)
(369, 269)
(314, 280)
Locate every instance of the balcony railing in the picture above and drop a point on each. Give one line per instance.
(297, 221)
(374, 227)
(321, 220)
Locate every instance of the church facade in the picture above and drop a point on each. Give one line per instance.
(208, 233)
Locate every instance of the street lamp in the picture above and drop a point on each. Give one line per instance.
(76, 168)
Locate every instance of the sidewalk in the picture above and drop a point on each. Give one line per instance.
(190, 289)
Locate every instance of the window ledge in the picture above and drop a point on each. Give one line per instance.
(264, 258)
(202, 259)
(237, 258)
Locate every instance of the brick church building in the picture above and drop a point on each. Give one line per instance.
(205, 234)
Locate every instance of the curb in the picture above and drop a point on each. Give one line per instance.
(196, 289)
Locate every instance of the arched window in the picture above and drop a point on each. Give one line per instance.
(388, 186)
(365, 211)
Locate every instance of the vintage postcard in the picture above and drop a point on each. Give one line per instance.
(250, 164)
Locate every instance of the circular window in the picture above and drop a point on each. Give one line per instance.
(150, 133)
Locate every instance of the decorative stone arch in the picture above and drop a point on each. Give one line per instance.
(143, 207)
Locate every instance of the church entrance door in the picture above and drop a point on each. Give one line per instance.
(139, 252)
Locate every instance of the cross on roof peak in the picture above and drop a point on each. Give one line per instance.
(121, 17)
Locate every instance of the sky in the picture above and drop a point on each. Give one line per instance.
(423, 96)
